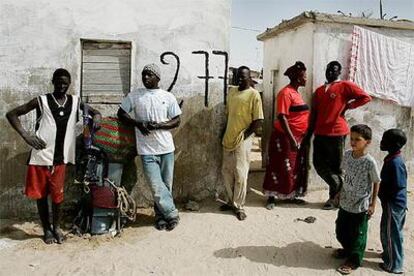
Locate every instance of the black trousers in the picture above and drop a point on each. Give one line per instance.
(327, 158)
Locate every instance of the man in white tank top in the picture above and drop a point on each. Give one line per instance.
(53, 146)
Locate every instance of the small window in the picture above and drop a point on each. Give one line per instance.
(106, 71)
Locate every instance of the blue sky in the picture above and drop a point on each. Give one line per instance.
(257, 15)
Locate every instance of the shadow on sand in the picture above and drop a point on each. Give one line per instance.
(143, 218)
(297, 255)
(13, 232)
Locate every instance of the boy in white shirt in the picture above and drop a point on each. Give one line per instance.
(357, 199)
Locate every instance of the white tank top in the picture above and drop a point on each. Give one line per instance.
(47, 132)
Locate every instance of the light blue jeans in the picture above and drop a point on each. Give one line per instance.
(159, 172)
(392, 224)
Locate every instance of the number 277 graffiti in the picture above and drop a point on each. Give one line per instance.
(206, 77)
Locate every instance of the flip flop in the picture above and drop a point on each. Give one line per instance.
(346, 268)
(270, 206)
(328, 205)
(160, 224)
(241, 215)
(172, 223)
(271, 203)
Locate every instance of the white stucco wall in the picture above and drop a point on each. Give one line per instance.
(39, 36)
(36, 37)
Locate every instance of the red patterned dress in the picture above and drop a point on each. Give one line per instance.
(286, 172)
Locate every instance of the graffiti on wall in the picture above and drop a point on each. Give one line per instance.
(224, 77)
(177, 60)
(206, 77)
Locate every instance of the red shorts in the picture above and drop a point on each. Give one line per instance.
(44, 180)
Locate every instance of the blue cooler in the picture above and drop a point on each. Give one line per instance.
(102, 220)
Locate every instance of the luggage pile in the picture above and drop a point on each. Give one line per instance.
(105, 206)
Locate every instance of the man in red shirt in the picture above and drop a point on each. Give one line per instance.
(327, 121)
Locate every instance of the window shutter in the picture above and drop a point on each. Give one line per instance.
(106, 71)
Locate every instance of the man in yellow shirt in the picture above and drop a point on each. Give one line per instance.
(244, 118)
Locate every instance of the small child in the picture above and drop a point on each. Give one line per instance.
(53, 146)
(357, 199)
(393, 196)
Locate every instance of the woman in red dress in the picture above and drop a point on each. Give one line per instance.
(286, 172)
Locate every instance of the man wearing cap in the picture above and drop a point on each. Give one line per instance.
(156, 111)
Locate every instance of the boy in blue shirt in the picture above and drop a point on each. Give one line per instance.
(393, 196)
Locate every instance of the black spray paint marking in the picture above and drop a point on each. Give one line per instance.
(224, 78)
(206, 77)
(162, 59)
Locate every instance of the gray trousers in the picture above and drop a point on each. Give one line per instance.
(235, 170)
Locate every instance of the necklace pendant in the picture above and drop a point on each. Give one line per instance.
(61, 113)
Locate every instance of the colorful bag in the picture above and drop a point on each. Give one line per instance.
(116, 139)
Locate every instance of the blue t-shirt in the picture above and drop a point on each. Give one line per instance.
(393, 187)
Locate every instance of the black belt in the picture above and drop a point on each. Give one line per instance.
(298, 108)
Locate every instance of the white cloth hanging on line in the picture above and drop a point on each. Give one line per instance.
(383, 66)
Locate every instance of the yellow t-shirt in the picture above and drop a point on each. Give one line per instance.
(243, 107)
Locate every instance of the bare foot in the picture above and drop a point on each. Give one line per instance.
(48, 237)
(57, 232)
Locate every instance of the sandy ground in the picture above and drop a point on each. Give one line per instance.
(207, 242)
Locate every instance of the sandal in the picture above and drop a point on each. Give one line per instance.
(160, 224)
(172, 223)
(271, 203)
(241, 215)
(329, 205)
(346, 268)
